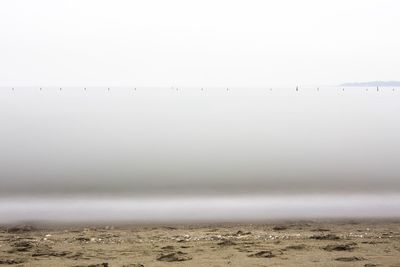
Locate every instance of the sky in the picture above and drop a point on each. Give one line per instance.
(190, 43)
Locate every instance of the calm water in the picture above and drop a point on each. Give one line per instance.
(212, 149)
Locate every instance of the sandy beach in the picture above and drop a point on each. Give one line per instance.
(274, 243)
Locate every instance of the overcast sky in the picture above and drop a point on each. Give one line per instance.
(197, 43)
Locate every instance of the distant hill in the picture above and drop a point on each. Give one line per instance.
(373, 83)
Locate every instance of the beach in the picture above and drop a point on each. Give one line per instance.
(374, 242)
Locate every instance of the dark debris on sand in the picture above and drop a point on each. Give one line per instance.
(348, 259)
(325, 237)
(174, 256)
(48, 252)
(168, 248)
(340, 247)
(296, 247)
(41, 250)
(11, 261)
(279, 228)
(263, 254)
(20, 229)
(82, 238)
(241, 233)
(21, 246)
(226, 242)
(104, 264)
(320, 230)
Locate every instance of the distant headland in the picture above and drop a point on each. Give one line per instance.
(373, 83)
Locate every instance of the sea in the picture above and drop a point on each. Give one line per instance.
(158, 154)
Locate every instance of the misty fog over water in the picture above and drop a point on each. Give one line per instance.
(193, 142)
(198, 209)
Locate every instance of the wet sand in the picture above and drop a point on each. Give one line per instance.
(283, 243)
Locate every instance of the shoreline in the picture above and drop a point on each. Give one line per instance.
(338, 242)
